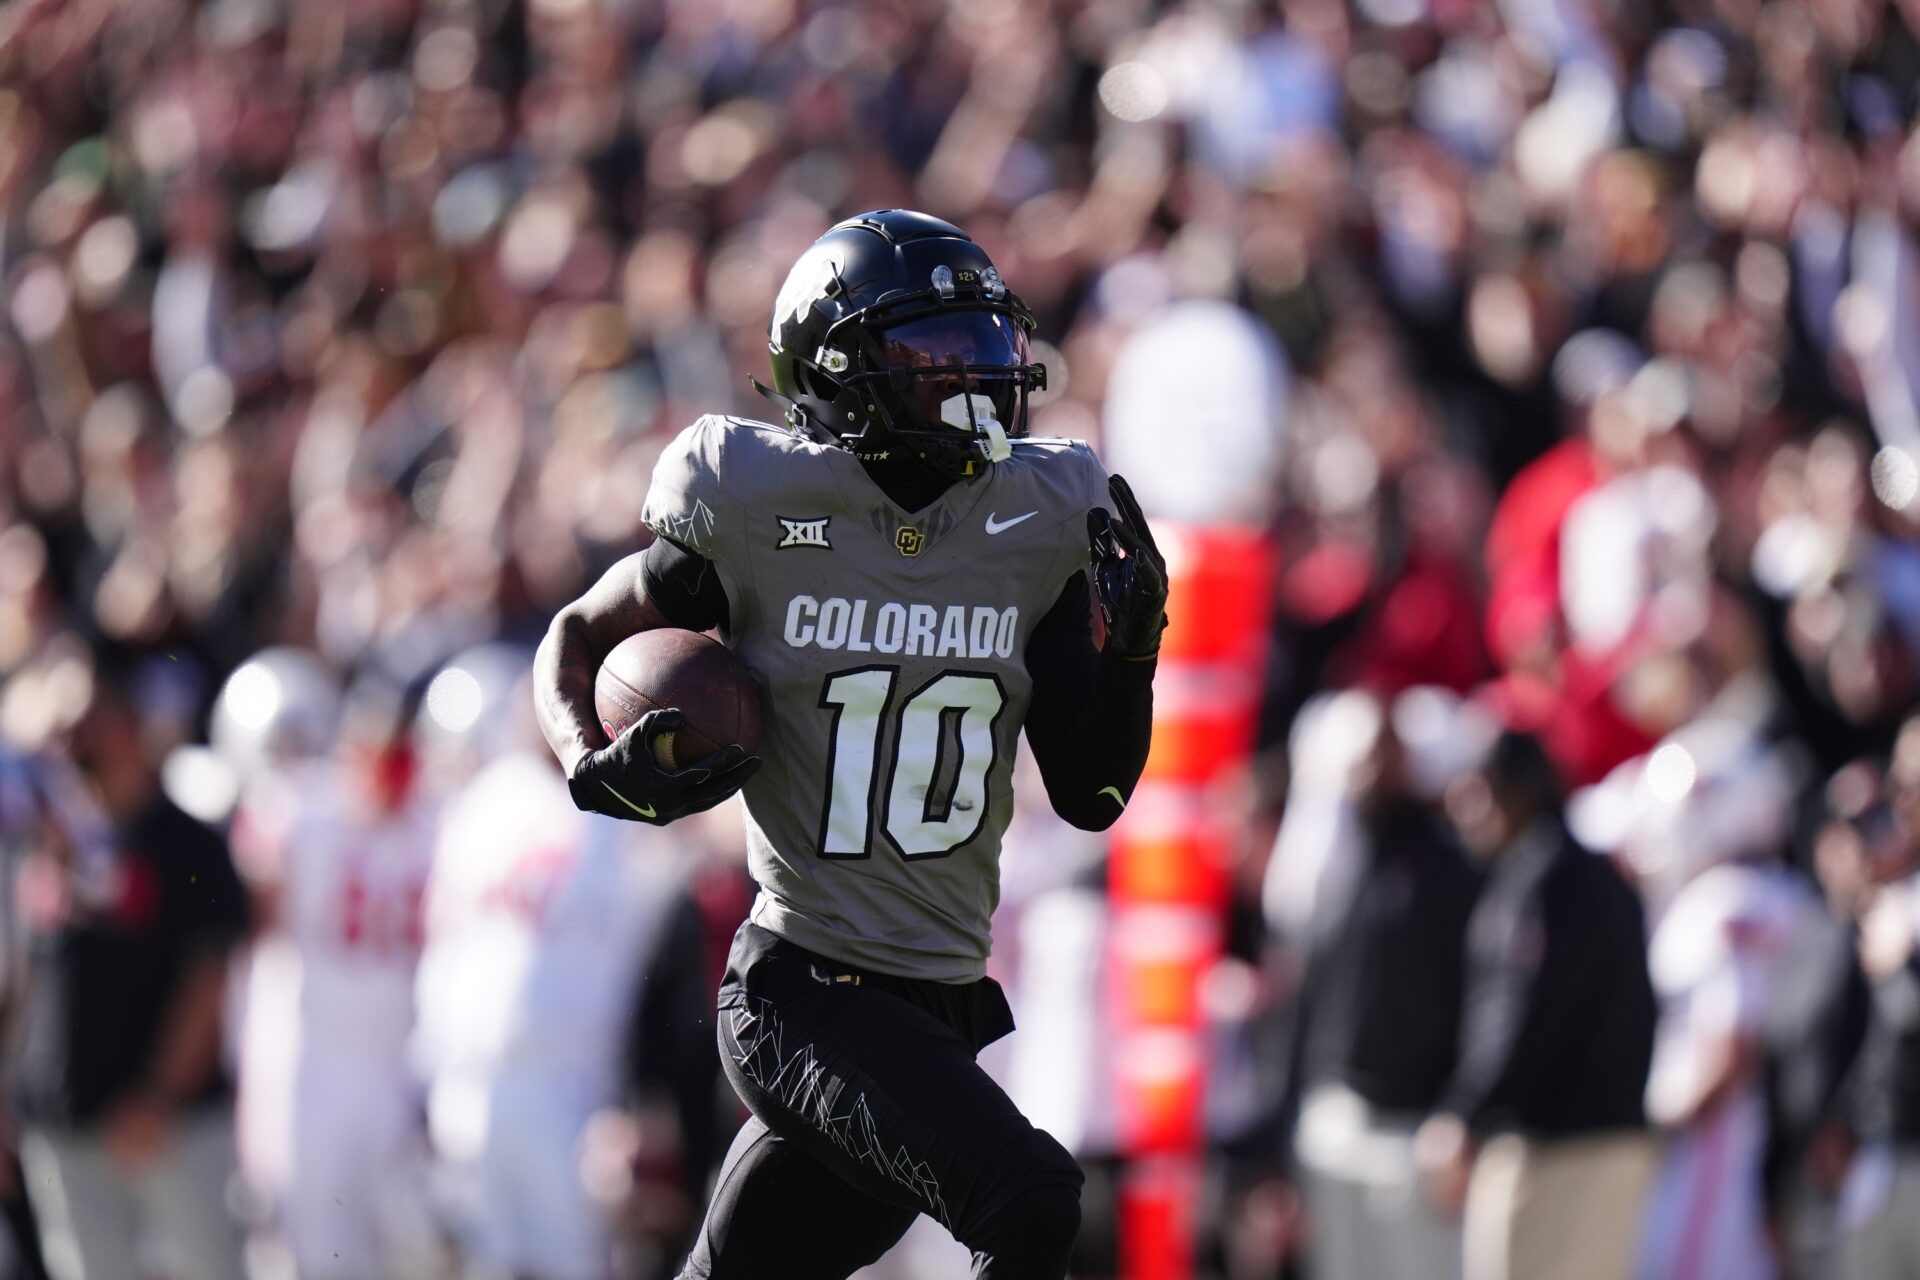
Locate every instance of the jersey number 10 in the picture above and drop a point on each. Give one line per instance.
(931, 795)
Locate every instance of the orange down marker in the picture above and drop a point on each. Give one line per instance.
(1168, 881)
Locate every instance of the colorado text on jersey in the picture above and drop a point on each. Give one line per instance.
(913, 629)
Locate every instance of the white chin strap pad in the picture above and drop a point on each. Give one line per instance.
(954, 413)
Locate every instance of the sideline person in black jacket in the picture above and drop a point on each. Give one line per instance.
(1377, 1022)
(1543, 1135)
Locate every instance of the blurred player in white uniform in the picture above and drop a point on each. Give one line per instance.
(277, 715)
(539, 917)
(1715, 961)
(337, 851)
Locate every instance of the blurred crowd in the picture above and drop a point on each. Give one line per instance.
(1569, 350)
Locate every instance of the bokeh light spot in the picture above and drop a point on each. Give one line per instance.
(1895, 477)
(454, 700)
(1671, 773)
(253, 696)
(1133, 91)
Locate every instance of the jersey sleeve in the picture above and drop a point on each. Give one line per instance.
(1082, 488)
(685, 503)
(690, 505)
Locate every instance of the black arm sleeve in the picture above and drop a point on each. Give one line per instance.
(683, 586)
(1091, 719)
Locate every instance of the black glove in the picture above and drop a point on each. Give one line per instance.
(624, 780)
(1129, 575)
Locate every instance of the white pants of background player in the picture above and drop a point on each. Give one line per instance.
(355, 1202)
(1706, 1219)
(1371, 1216)
(1880, 1216)
(99, 1222)
(535, 1216)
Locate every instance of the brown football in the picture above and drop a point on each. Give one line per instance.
(684, 669)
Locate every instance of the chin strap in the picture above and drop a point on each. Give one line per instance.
(803, 423)
(786, 402)
(796, 416)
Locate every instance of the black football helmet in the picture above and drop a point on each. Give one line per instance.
(894, 332)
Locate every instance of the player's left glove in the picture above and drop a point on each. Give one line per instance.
(625, 778)
(1129, 575)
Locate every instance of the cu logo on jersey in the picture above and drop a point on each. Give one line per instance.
(909, 540)
(804, 533)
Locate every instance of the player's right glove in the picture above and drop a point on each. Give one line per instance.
(625, 779)
(1129, 575)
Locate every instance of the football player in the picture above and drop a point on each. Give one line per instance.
(336, 852)
(538, 919)
(906, 575)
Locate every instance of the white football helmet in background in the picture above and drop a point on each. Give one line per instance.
(279, 706)
(476, 709)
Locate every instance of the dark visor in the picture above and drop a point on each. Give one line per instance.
(958, 352)
(956, 337)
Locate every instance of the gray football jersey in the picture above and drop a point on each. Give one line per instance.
(889, 651)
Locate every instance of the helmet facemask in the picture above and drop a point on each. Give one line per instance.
(949, 386)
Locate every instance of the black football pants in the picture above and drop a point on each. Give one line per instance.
(868, 1108)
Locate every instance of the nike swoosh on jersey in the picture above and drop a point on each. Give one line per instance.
(1115, 793)
(1000, 526)
(644, 810)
